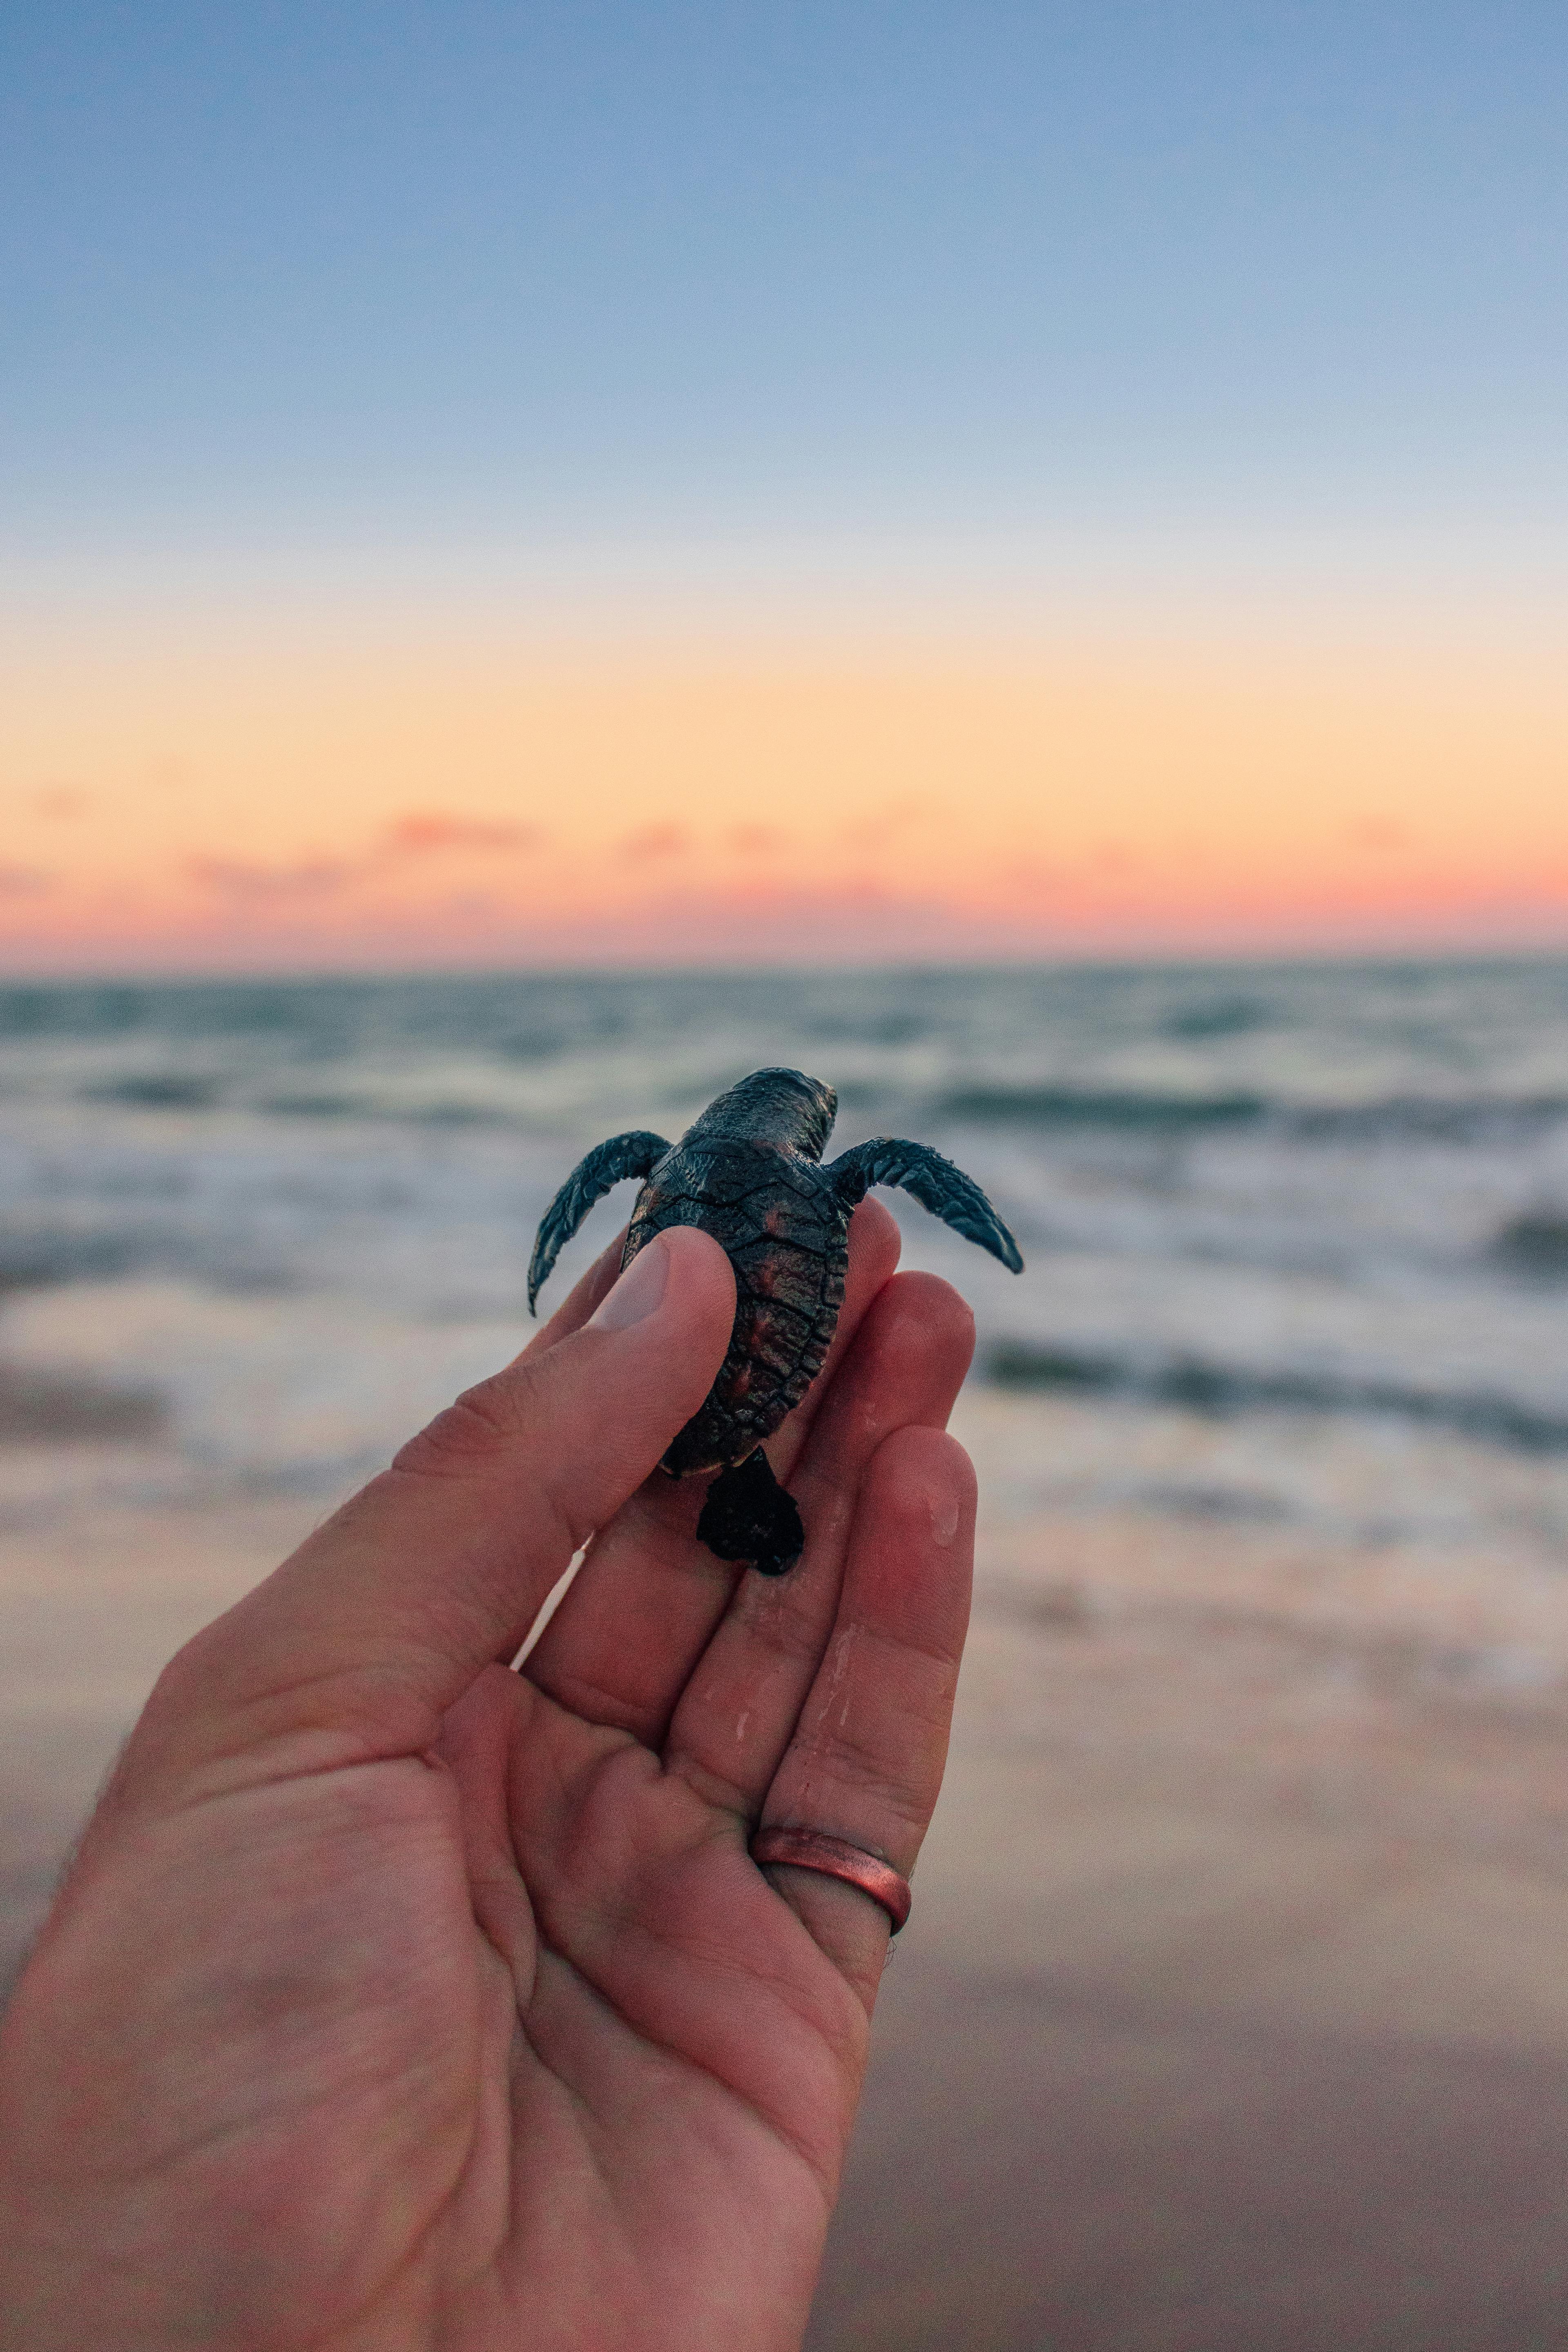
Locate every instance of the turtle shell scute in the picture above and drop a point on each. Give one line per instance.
(785, 1233)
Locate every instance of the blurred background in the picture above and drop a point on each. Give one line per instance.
(1009, 557)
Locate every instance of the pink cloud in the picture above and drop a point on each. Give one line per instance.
(754, 840)
(884, 825)
(840, 921)
(653, 843)
(424, 830)
(60, 801)
(23, 881)
(253, 884)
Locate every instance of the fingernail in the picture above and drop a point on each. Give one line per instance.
(637, 1292)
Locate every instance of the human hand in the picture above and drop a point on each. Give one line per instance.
(397, 1999)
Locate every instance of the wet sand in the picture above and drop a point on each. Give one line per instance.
(1233, 2013)
(1234, 2009)
(95, 1595)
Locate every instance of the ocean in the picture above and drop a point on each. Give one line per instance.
(1317, 1212)
(1256, 1777)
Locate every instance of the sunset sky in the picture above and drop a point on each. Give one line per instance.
(535, 483)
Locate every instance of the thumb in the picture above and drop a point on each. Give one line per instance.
(359, 1642)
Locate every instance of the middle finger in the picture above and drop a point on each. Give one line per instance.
(740, 1708)
(619, 1647)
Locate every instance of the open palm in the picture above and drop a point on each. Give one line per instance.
(397, 1999)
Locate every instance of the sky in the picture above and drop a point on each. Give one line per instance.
(546, 483)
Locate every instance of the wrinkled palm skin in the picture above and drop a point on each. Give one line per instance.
(398, 1999)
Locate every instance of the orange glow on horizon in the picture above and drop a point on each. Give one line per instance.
(320, 805)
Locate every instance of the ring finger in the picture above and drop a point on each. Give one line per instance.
(865, 1760)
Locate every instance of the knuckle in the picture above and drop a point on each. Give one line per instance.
(788, 1628)
(560, 1499)
(840, 1759)
(469, 1435)
(502, 1428)
(927, 1313)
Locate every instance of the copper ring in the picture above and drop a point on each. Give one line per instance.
(836, 1858)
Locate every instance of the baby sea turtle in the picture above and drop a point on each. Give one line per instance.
(750, 1173)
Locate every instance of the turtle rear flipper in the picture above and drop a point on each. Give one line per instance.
(748, 1515)
(636, 1154)
(934, 1182)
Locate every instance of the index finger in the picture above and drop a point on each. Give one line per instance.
(357, 1645)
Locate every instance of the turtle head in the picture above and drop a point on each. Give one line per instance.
(781, 1106)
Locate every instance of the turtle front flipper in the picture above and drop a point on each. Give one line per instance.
(748, 1515)
(607, 1164)
(934, 1182)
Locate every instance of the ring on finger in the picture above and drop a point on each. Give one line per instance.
(836, 1858)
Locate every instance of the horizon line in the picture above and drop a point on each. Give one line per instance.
(1167, 959)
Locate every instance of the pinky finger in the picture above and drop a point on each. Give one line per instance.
(865, 1760)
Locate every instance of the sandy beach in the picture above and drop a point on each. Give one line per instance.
(1232, 2016)
(773, 620)
(1232, 2013)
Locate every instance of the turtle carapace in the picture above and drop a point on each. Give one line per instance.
(750, 1173)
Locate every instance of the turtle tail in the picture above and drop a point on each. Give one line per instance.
(748, 1515)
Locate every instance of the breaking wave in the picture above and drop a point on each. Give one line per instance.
(1219, 1389)
(1431, 1119)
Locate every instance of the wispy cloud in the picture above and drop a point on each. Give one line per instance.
(424, 832)
(652, 842)
(880, 826)
(1113, 793)
(250, 883)
(754, 840)
(61, 800)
